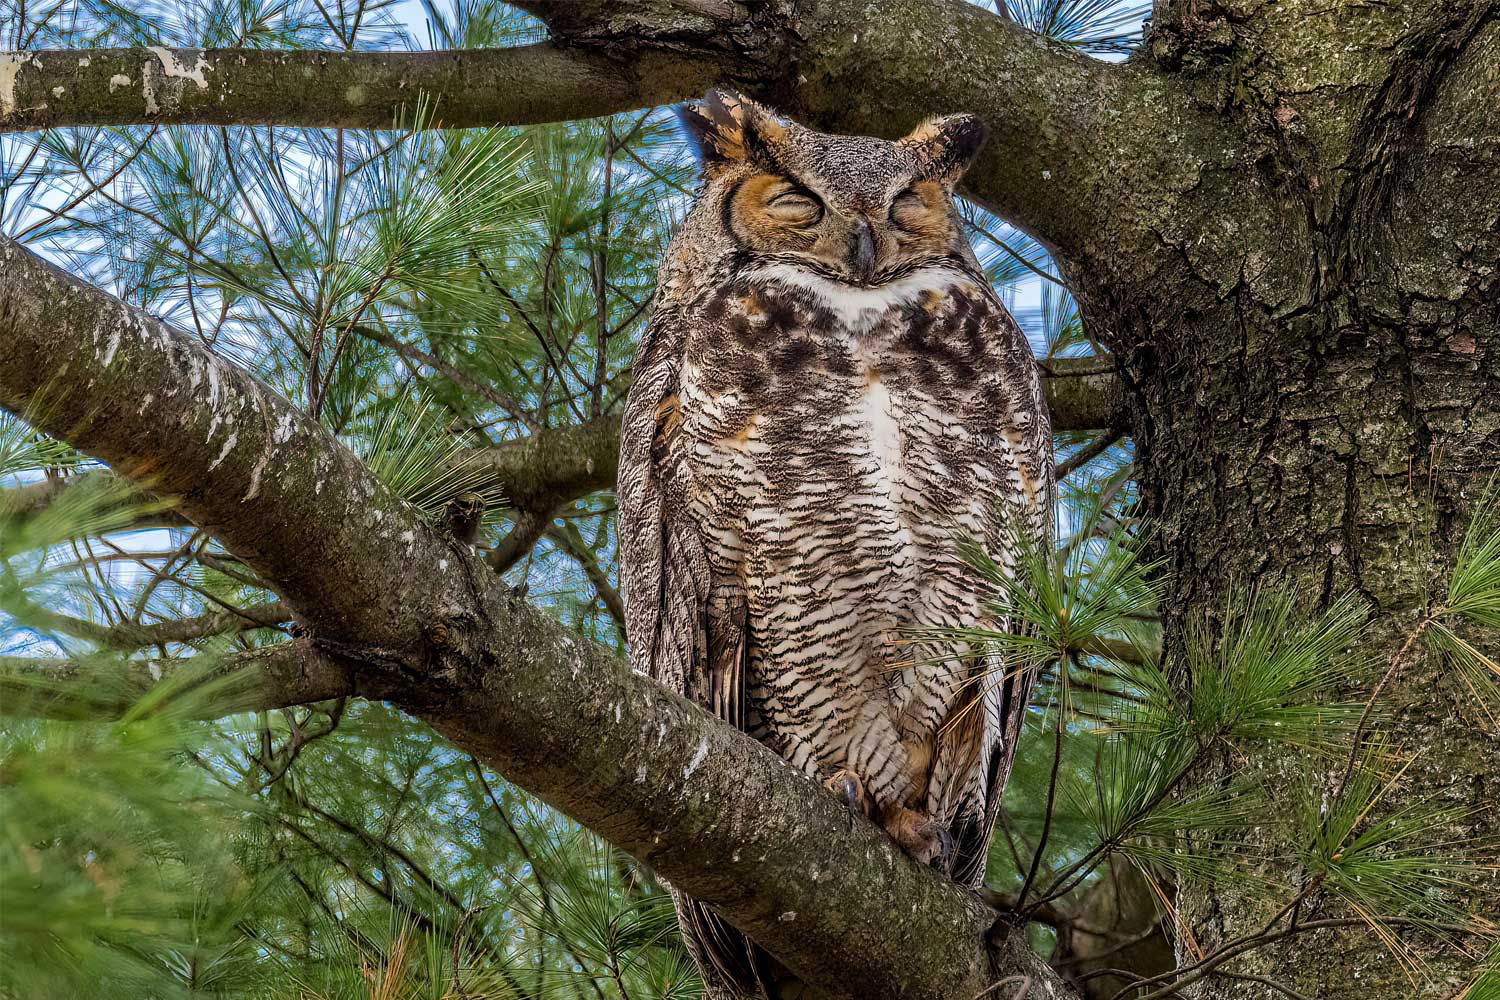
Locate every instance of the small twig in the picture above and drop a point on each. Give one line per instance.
(571, 541)
(458, 939)
(452, 373)
(1041, 847)
(1189, 974)
(1264, 981)
(1126, 974)
(1083, 456)
(529, 526)
(1364, 716)
(1025, 982)
(1114, 949)
(1002, 245)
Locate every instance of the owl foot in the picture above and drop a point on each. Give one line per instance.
(921, 836)
(851, 791)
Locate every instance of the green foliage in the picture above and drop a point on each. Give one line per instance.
(1382, 861)
(1472, 607)
(161, 858)
(1073, 598)
(1149, 765)
(1102, 27)
(1486, 982)
(23, 449)
(407, 443)
(1264, 671)
(114, 862)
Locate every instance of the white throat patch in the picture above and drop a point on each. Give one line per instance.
(861, 308)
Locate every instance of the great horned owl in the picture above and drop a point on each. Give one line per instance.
(828, 396)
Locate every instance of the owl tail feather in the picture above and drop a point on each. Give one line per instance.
(733, 967)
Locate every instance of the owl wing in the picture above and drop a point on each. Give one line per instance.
(1029, 511)
(683, 631)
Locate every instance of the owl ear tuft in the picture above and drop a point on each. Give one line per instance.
(946, 147)
(725, 127)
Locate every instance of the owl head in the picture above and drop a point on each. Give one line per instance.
(854, 209)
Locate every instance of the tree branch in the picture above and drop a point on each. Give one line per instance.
(542, 471)
(1062, 124)
(554, 466)
(433, 630)
(319, 89)
(127, 635)
(290, 673)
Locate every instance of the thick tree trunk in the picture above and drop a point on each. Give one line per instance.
(1337, 451)
(1313, 353)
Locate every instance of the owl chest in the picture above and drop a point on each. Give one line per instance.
(850, 436)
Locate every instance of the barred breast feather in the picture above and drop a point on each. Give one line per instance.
(800, 459)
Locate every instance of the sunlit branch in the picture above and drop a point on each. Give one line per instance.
(355, 89)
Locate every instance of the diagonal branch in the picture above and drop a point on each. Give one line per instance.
(428, 627)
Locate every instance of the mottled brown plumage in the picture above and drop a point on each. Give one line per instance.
(828, 397)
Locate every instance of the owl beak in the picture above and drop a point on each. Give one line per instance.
(864, 251)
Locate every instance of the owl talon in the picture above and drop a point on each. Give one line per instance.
(924, 838)
(851, 791)
(943, 861)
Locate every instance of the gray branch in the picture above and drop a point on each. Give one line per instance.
(1064, 127)
(318, 89)
(291, 673)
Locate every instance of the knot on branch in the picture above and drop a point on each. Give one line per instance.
(450, 634)
(462, 517)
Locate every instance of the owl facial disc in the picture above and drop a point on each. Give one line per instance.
(856, 210)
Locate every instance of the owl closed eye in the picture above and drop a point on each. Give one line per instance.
(856, 209)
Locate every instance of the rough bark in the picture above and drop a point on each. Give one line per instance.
(417, 618)
(1312, 351)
